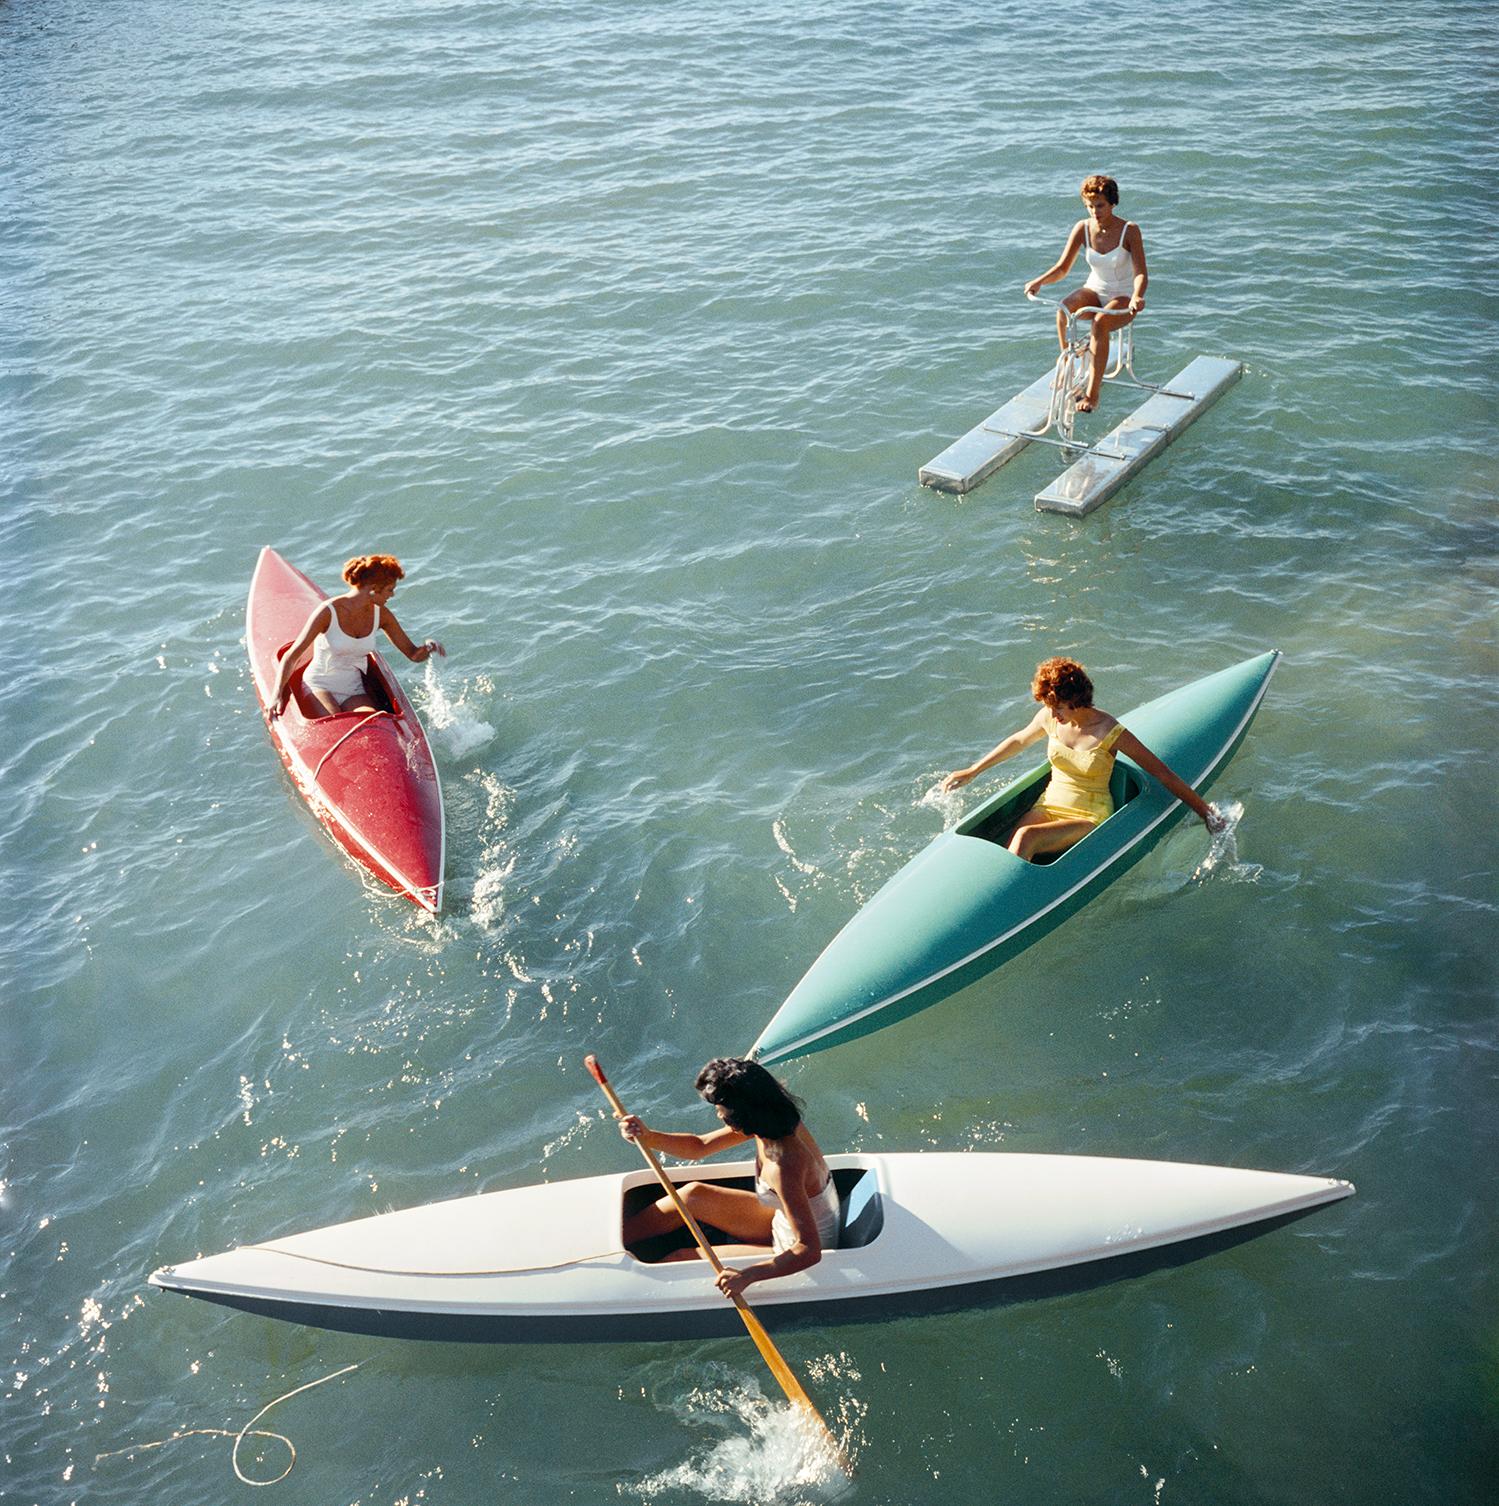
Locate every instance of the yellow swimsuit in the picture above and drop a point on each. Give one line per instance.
(1078, 789)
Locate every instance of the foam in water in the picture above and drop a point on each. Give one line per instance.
(457, 727)
(496, 860)
(809, 871)
(770, 1454)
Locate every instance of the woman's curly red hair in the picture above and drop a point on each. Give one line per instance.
(1099, 183)
(1064, 681)
(373, 570)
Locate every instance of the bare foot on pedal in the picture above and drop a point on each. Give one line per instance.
(1085, 404)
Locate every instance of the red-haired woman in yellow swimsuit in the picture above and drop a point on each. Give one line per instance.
(1081, 743)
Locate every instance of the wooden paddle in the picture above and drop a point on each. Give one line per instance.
(768, 1351)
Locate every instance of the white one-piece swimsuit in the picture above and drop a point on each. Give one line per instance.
(826, 1211)
(339, 660)
(1111, 274)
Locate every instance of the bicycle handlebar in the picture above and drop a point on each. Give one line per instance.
(1083, 313)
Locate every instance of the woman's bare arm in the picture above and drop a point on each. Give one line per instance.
(317, 623)
(1142, 275)
(1129, 744)
(788, 1182)
(681, 1147)
(397, 635)
(1063, 264)
(1032, 732)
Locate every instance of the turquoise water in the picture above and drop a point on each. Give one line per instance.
(627, 328)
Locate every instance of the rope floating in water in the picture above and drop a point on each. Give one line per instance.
(248, 1431)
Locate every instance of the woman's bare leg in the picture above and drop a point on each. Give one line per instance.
(1098, 350)
(330, 705)
(325, 699)
(1081, 298)
(1038, 833)
(724, 1252)
(731, 1209)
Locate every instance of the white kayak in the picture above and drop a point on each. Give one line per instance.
(919, 1231)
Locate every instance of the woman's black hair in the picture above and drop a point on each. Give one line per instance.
(753, 1101)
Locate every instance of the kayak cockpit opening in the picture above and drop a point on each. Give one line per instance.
(861, 1211)
(374, 683)
(997, 823)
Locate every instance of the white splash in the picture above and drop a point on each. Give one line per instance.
(457, 726)
(948, 804)
(772, 1457)
(1222, 861)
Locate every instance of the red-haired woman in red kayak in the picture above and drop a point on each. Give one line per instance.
(342, 633)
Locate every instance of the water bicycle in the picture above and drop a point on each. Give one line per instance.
(1046, 412)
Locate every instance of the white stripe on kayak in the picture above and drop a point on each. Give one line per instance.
(804, 1041)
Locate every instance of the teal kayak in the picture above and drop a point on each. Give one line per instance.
(966, 904)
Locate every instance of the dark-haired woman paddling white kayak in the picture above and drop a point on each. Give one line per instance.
(793, 1210)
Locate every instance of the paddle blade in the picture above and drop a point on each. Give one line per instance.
(786, 1379)
(595, 1071)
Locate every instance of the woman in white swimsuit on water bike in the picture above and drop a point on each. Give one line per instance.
(1115, 252)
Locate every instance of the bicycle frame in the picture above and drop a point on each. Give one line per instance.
(1071, 371)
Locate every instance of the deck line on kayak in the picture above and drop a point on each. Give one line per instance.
(1223, 752)
(390, 1270)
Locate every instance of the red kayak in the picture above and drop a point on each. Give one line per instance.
(368, 775)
